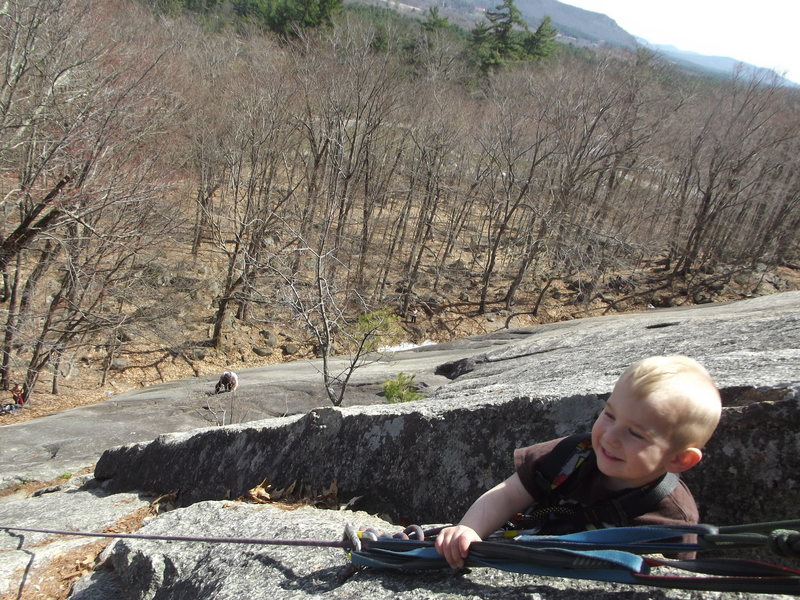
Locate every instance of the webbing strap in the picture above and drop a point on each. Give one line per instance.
(554, 562)
(598, 565)
(726, 567)
(557, 557)
(643, 539)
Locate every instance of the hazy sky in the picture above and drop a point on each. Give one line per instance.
(763, 33)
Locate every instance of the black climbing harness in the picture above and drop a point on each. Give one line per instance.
(559, 469)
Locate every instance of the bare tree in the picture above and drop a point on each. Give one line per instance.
(79, 115)
(726, 156)
(328, 314)
(246, 216)
(210, 122)
(516, 142)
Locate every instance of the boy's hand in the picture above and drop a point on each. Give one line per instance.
(487, 514)
(453, 543)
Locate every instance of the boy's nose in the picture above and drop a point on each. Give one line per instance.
(612, 436)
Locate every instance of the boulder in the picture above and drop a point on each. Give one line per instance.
(120, 364)
(290, 348)
(270, 338)
(429, 464)
(198, 353)
(423, 463)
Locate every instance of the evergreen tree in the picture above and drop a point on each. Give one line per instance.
(177, 6)
(433, 21)
(543, 42)
(506, 39)
(485, 51)
(284, 17)
(503, 20)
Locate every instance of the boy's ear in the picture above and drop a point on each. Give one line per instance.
(685, 460)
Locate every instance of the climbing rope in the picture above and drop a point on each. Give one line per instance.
(347, 544)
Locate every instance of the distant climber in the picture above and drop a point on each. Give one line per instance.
(18, 393)
(18, 399)
(228, 382)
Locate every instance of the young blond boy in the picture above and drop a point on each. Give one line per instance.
(662, 411)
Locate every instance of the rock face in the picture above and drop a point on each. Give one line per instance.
(420, 462)
(751, 471)
(140, 569)
(426, 461)
(76, 504)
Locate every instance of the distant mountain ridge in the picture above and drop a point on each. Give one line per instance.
(588, 28)
(721, 65)
(571, 21)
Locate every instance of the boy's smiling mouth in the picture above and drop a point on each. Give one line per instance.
(608, 456)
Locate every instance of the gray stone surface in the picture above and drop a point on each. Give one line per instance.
(46, 448)
(427, 460)
(73, 505)
(423, 461)
(748, 343)
(427, 463)
(154, 570)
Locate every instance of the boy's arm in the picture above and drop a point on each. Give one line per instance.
(486, 515)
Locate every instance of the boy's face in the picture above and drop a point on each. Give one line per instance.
(631, 438)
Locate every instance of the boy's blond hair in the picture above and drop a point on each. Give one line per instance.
(685, 382)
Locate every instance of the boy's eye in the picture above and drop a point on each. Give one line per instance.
(636, 434)
(608, 415)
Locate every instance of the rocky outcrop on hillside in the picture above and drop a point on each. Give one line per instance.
(572, 22)
(434, 456)
(426, 461)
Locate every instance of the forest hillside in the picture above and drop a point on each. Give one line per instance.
(180, 196)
